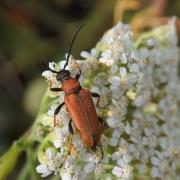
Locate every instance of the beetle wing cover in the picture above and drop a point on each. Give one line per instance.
(83, 114)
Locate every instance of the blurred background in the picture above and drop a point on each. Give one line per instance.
(34, 31)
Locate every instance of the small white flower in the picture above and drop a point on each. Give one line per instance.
(127, 158)
(47, 74)
(89, 167)
(113, 122)
(124, 58)
(128, 128)
(93, 52)
(127, 171)
(85, 54)
(88, 157)
(135, 55)
(43, 169)
(145, 140)
(117, 171)
(50, 153)
(142, 168)
(155, 172)
(121, 163)
(163, 142)
(52, 109)
(66, 176)
(106, 58)
(57, 143)
(116, 133)
(115, 80)
(139, 101)
(123, 72)
(134, 68)
(155, 161)
(114, 69)
(116, 155)
(144, 53)
(151, 42)
(113, 142)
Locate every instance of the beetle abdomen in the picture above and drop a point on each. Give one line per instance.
(83, 114)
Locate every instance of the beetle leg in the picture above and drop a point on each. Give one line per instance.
(102, 153)
(103, 124)
(55, 89)
(69, 150)
(57, 111)
(101, 121)
(78, 75)
(70, 127)
(97, 96)
(98, 152)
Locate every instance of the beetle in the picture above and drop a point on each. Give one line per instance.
(79, 103)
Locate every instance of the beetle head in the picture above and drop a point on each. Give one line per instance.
(62, 75)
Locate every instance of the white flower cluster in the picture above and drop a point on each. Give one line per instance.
(140, 94)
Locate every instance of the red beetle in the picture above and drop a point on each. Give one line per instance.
(79, 104)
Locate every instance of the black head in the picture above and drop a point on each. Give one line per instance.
(62, 75)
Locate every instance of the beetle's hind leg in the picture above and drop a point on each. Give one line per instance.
(102, 152)
(57, 111)
(69, 150)
(103, 123)
(98, 152)
(69, 144)
(70, 127)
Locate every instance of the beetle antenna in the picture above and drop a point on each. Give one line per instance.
(47, 68)
(53, 71)
(71, 44)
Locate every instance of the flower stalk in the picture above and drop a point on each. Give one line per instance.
(9, 159)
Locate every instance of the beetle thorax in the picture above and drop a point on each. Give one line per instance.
(70, 85)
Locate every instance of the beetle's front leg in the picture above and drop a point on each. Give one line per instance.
(55, 89)
(57, 111)
(79, 69)
(97, 96)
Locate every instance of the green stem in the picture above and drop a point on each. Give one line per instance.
(8, 160)
(24, 172)
(31, 163)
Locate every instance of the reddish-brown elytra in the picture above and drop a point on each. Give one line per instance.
(79, 104)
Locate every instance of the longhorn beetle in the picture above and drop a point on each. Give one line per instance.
(79, 104)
